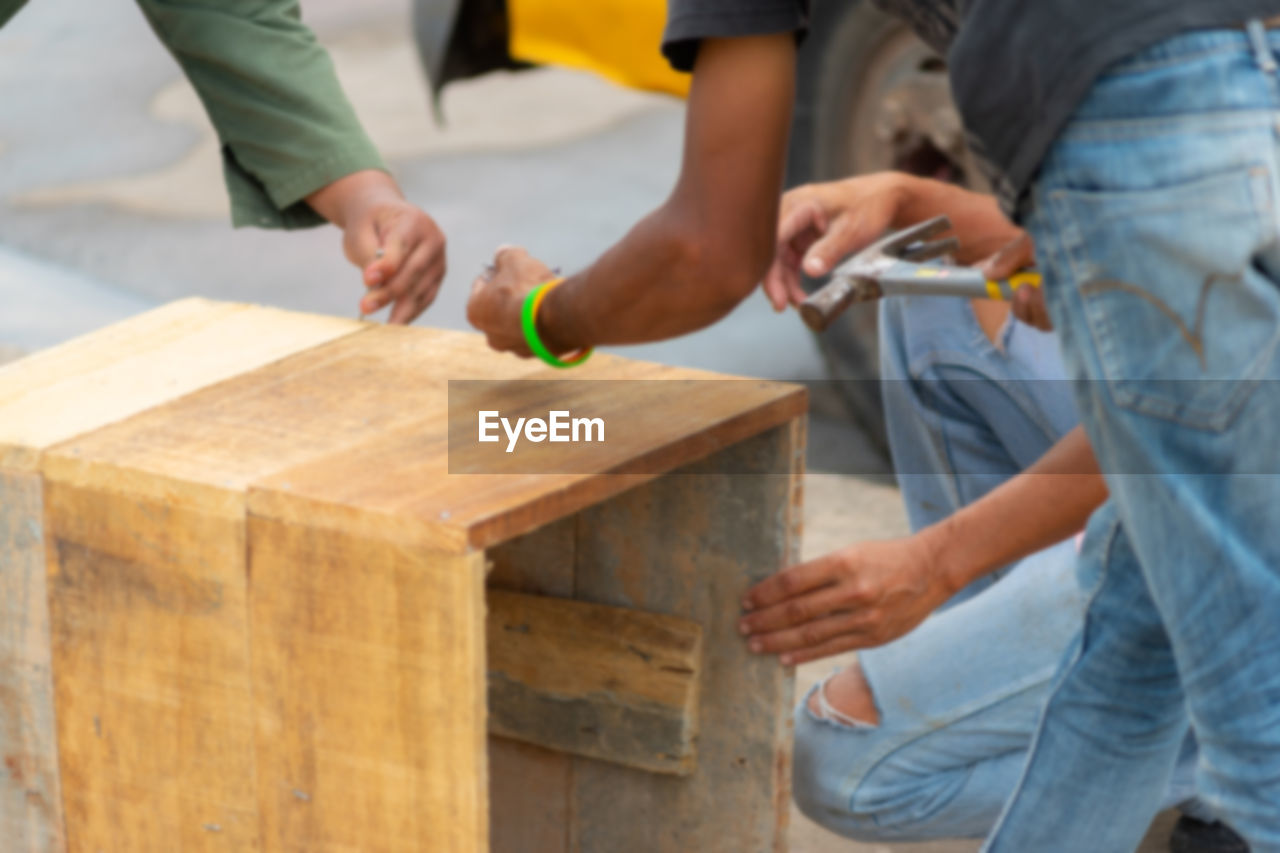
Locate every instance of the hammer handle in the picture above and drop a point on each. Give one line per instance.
(907, 279)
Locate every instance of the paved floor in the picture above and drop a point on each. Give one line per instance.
(115, 175)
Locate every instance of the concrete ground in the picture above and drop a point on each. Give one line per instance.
(108, 168)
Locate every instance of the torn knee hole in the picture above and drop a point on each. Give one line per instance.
(845, 697)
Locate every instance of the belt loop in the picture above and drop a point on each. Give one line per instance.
(1261, 45)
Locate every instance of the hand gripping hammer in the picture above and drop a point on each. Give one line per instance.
(895, 265)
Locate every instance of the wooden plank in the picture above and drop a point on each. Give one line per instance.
(604, 682)
(55, 395)
(368, 660)
(135, 365)
(680, 422)
(526, 818)
(30, 797)
(690, 544)
(151, 675)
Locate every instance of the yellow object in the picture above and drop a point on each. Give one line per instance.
(1024, 278)
(1021, 279)
(617, 39)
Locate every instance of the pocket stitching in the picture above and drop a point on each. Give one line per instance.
(1099, 326)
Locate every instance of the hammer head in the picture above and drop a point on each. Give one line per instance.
(855, 280)
(909, 244)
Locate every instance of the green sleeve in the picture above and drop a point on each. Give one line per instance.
(285, 125)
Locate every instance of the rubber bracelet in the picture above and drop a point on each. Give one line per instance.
(529, 323)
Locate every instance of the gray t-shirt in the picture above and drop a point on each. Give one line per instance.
(1018, 68)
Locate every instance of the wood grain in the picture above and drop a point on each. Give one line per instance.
(526, 818)
(58, 394)
(690, 544)
(151, 674)
(461, 511)
(368, 661)
(30, 796)
(135, 365)
(608, 683)
(267, 589)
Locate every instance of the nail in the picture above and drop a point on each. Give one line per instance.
(786, 660)
(746, 604)
(376, 277)
(756, 646)
(815, 266)
(378, 254)
(744, 628)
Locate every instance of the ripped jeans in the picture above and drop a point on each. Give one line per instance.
(1155, 218)
(959, 698)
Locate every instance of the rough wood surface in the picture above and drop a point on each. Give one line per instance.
(195, 538)
(368, 661)
(526, 818)
(681, 424)
(59, 394)
(140, 363)
(30, 797)
(690, 544)
(604, 682)
(151, 674)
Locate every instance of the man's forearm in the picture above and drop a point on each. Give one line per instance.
(651, 286)
(690, 262)
(1050, 501)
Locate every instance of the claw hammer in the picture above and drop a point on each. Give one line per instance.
(895, 265)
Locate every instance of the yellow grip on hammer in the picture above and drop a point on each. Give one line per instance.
(998, 289)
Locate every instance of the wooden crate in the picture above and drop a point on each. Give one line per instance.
(244, 600)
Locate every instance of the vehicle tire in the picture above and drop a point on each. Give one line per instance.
(856, 67)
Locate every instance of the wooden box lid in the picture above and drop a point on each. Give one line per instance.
(337, 424)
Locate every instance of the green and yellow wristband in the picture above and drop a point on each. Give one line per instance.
(529, 322)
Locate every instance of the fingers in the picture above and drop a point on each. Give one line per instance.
(847, 234)
(409, 270)
(1015, 256)
(799, 226)
(1028, 301)
(803, 608)
(419, 291)
(791, 641)
(381, 265)
(1029, 307)
(497, 294)
(791, 582)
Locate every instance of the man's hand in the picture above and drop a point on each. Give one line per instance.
(859, 597)
(498, 294)
(820, 224)
(1028, 302)
(400, 249)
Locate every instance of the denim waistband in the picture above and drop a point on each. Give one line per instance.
(1196, 44)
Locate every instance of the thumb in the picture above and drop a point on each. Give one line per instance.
(847, 235)
(1014, 256)
(382, 251)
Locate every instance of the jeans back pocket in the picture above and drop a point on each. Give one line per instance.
(1182, 315)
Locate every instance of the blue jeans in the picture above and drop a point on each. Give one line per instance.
(959, 697)
(1155, 223)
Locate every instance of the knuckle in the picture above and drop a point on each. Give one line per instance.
(797, 611)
